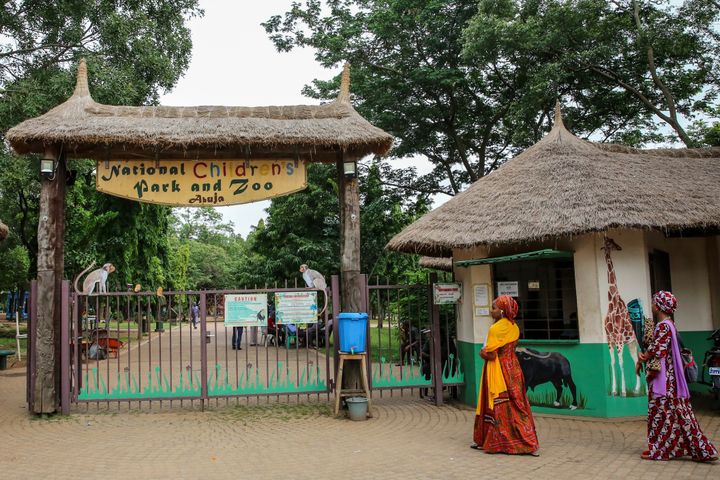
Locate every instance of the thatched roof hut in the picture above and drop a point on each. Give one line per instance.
(565, 186)
(87, 129)
(437, 263)
(3, 231)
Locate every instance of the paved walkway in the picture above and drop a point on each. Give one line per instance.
(407, 439)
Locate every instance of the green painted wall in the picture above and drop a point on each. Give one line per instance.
(698, 343)
(590, 365)
(469, 354)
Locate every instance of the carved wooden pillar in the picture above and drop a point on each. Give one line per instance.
(351, 281)
(51, 232)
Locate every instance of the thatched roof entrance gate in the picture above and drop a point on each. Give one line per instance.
(82, 128)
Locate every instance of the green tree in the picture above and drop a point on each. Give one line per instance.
(638, 64)
(135, 50)
(469, 84)
(300, 228)
(204, 224)
(208, 267)
(304, 228)
(15, 263)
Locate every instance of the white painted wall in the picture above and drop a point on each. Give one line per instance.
(694, 265)
(472, 330)
(587, 287)
(690, 275)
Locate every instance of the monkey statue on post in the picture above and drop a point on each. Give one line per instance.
(95, 278)
(314, 279)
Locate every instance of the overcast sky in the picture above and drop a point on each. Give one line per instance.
(234, 63)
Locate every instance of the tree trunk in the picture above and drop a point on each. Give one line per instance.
(51, 231)
(351, 281)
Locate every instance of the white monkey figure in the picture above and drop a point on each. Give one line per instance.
(96, 277)
(313, 278)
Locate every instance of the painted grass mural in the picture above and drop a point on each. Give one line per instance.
(127, 386)
(280, 381)
(411, 375)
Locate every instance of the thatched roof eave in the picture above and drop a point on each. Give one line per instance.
(564, 186)
(437, 263)
(84, 128)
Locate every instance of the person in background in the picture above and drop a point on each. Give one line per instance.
(237, 338)
(194, 314)
(503, 420)
(673, 430)
(409, 343)
(426, 361)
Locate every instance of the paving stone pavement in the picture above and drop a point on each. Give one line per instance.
(408, 438)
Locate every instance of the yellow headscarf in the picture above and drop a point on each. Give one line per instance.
(500, 334)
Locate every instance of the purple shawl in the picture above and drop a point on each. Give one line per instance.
(659, 383)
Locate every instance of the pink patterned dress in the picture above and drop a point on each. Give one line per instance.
(673, 431)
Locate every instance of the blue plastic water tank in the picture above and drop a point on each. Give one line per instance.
(353, 329)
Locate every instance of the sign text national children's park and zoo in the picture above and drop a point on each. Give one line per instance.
(196, 183)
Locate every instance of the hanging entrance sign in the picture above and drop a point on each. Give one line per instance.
(246, 310)
(296, 307)
(195, 183)
(446, 293)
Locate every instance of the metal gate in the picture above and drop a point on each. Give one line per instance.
(144, 347)
(141, 349)
(412, 345)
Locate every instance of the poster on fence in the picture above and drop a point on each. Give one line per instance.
(446, 293)
(296, 307)
(246, 310)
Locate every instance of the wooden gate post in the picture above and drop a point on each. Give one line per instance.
(436, 344)
(50, 264)
(351, 281)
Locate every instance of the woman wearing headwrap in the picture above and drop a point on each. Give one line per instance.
(503, 420)
(673, 431)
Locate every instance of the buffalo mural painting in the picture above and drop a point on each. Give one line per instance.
(544, 367)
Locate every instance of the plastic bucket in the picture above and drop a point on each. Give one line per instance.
(353, 332)
(357, 408)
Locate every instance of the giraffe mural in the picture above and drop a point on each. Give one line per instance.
(618, 327)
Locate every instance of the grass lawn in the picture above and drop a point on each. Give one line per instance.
(380, 344)
(11, 344)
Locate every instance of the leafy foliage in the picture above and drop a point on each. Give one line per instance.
(632, 64)
(135, 50)
(469, 84)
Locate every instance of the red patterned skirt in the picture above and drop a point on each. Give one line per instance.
(508, 427)
(674, 432)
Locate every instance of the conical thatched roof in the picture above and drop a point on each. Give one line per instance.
(437, 263)
(88, 129)
(3, 231)
(565, 186)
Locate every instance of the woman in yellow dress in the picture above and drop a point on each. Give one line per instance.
(503, 420)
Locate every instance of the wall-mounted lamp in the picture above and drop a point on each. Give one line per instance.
(47, 167)
(350, 168)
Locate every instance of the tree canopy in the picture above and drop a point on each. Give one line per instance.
(135, 50)
(468, 84)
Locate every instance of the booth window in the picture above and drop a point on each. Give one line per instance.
(546, 295)
(660, 271)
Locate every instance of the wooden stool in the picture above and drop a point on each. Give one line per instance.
(350, 393)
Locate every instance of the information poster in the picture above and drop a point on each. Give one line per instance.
(246, 310)
(447, 293)
(481, 295)
(296, 307)
(508, 288)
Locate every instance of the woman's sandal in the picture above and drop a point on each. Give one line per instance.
(705, 460)
(646, 456)
(475, 446)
